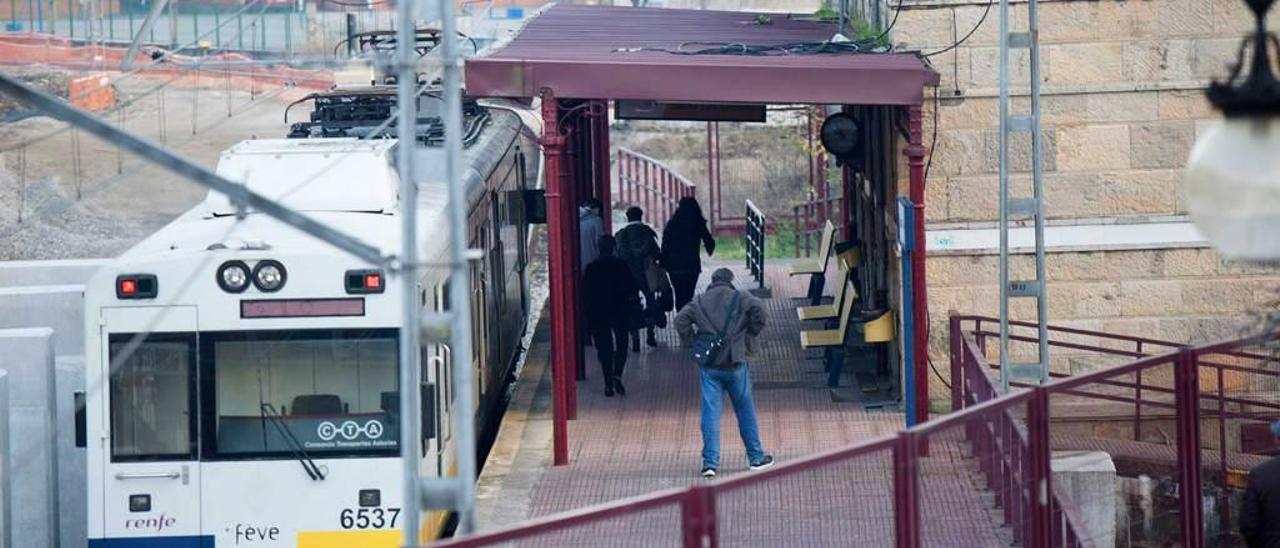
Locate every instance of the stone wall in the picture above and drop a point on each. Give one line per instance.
(1122, 89)
(1122, 101)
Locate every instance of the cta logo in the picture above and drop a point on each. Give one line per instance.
(350, 430)
(156, 524)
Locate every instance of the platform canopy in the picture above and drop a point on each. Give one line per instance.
(605, 52)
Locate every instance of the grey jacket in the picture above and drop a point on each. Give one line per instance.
(707, 313)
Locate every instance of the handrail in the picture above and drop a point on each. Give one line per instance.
(1190, 404)
(651, 184)
(753, 240)
(808, 219)
(568, 519)
(1016, 446)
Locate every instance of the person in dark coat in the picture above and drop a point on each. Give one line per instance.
(1260, 516)
(638, 246)
(683, 235)
(609, 293)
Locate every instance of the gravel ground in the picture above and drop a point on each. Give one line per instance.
(106, 201)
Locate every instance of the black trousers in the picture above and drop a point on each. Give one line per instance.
(611, 350)
(684, 284)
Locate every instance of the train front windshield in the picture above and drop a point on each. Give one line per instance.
(262, 394)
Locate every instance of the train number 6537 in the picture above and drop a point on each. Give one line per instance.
(368, 518)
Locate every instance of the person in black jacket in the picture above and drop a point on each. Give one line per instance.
(1260, 517)
(609, 294)
(684, 233)
(638, 246)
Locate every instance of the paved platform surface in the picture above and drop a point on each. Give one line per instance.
(650, 440)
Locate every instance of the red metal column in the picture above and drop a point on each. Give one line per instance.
(580, 183)
(906, 490)
(604, 171)
(559, 267)
(1186, 382)
(1041, 478)
(920, 296)
(713, 211)
(718, 183)
(570, 176)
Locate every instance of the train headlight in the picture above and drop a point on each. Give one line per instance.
(233, 276)
(269, 276)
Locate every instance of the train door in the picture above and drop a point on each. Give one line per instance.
(441, 364)
(152, 477)
(499, 340)
(480, 314)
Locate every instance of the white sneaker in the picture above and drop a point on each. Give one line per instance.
(766, 462)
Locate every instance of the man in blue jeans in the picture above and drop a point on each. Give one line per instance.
(739, 316)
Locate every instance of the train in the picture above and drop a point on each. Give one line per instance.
(248, 373)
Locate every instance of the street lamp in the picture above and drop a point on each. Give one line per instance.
(1232, 180)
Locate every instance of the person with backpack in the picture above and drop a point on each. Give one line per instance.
(719, 326)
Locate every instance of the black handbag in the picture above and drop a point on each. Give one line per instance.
(707, 345)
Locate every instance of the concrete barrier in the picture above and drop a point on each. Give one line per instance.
(27, 355)
(73, 496)
(61, 272)
(1088, 478)
(5, 479)
(59, 307)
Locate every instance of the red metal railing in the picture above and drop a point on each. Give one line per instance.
(990, 443)
(808, 219)
(1149, 394)
(650, 184)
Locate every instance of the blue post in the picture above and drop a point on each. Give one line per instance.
(906, 239)
(40, 14)
(217, 29)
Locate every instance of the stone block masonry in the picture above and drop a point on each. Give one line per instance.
(1122, 104)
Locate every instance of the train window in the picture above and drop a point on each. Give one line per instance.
(152, 387)
(270, 393)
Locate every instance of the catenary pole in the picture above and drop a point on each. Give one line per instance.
(460, 286)
(410, 373)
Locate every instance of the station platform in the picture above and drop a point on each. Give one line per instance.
(649, 440)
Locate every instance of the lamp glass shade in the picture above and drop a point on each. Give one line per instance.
(1232, 187)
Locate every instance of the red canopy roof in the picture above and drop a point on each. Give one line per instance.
(601, 52)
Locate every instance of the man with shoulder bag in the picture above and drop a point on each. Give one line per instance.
(718, 327)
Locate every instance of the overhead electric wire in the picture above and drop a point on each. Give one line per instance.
(966, 37)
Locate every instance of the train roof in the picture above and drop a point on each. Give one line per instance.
(349, 184)
(341, 174)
